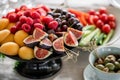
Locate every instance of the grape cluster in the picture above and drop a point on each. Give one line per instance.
(65, 19)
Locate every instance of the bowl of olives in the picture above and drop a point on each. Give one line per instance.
(107, 63)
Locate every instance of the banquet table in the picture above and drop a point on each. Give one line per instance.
(70, 70)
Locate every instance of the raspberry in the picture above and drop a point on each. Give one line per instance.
(46, 20)
(13, 29)
(29, 21)
(38, 25)
(17, 10)
(26, 27)
(27, 13)
(36, 21)
(41, 11)
(18, 25)
(19, 14)
(53, 25)
(35, 15)
(23, 7)
(47, 9)
(12, 17)
(22, 19)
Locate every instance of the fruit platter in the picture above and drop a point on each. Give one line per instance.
(39, 36)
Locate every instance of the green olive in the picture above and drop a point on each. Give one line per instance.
(111, 66)
(118, 60)
(100, 66)
(100, 61)
(117, 64)
(110, 58)
(106, 69)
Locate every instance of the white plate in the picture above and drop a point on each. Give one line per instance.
(89, 74)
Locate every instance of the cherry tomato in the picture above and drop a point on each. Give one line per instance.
(103, 10)
(112, 24)
(91, 12)
(99, 24)
(90, 19)
(106, 28)
(111, 17)
(104, 17)
(95, 18)
(97, 13)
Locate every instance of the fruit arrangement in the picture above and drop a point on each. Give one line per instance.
(40, 32)
(110, 63)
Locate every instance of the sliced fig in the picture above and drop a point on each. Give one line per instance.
(52, 37)
(31, 42)
(70, 39)
(58, 45)
(45, 43)
(76, 32)
(59, 34)
(39, 34)
(40, 53)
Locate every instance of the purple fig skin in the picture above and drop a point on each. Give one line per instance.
(31, 42)
(44, 44)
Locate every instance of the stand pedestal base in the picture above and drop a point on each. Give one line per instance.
(39, 70)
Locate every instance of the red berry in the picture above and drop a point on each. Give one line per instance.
(26, 27)
(29, 21)
(19, 14)
(41, 12)
(17, 10)
(47, 20)
(27, 13)
(22, 19)
(106, 28)
(18, 25)
(95, 18)
(38, 25)
(99, 24)
(36, 21)
(104, 17)
(12, 17)
(97, 13)
(47, 9)
(13, 29)
(53, 25)
(91, 12)
(23, 7)
(112, 24)
(90, 19)
(111, 17)
(103, 10)
(35, 15)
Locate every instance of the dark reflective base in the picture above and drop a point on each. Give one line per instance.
(39, 70)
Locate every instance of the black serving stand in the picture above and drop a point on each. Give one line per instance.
(39, 69)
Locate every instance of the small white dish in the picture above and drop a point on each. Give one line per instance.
(89, 74)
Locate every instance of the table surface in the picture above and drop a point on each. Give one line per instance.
(70, 70)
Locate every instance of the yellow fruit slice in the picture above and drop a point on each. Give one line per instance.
(3, 34)
(26, 53)
(9, 48)
(3, 23)
(20, 36)
(9, 38)
(10, 25)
